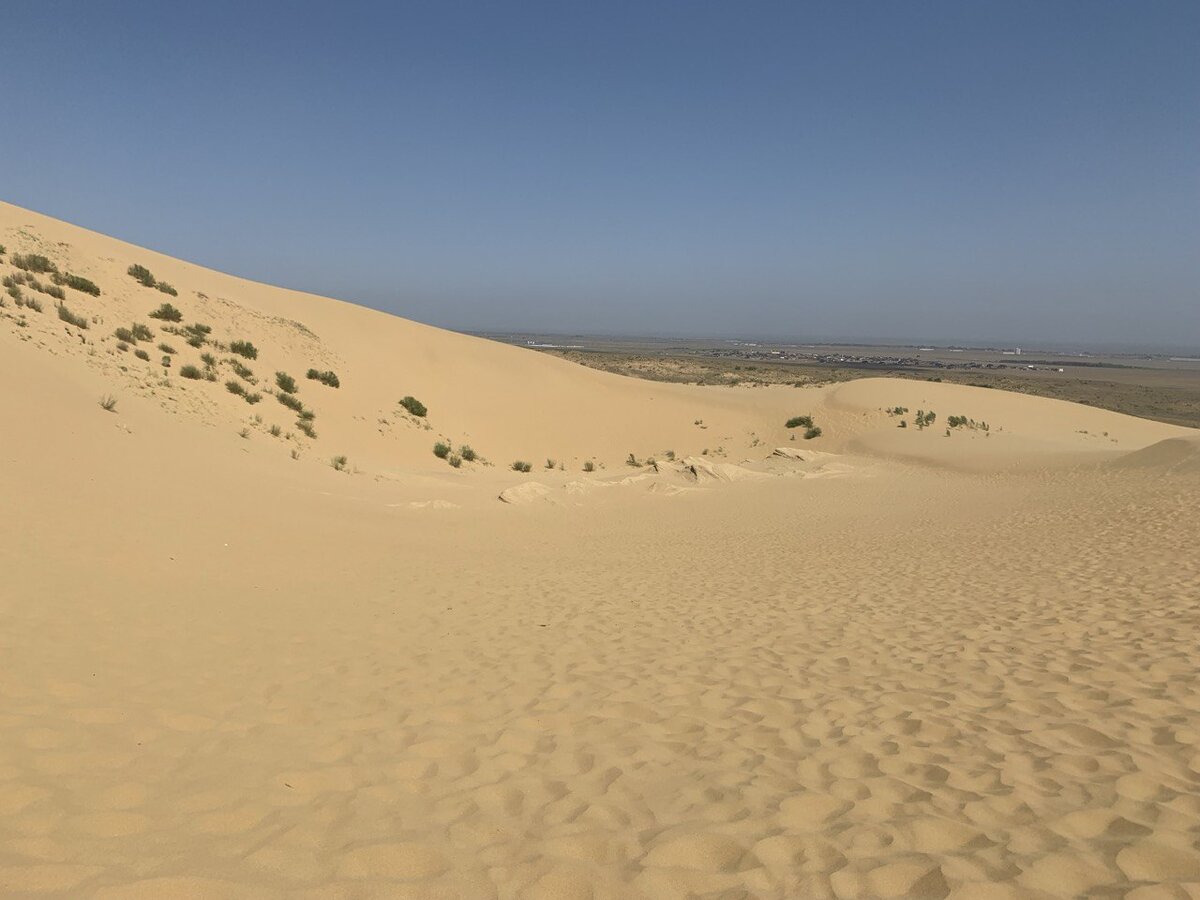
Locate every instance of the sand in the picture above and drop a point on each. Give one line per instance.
(881, 663)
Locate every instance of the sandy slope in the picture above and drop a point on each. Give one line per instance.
(903, 665)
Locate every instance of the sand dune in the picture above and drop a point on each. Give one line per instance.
(881, 663)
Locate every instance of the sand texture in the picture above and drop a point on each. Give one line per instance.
(885, 662)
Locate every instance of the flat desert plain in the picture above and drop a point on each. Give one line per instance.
(700, 656)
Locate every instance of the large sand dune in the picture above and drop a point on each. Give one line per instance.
(886, 662)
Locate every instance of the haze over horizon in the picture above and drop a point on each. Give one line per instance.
(1013, 172)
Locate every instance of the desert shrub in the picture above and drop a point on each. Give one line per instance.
(550, 464)
(339, 462)
(307, 428)
(275, 429)
(957, 421)
(307, 415)
(108, 402)
(1, 249)
(124, 334)
(285, 382)
(78, 283)
(10, 282)
(53, 291)
(589, 466)
(455, 460)
(813, 432)
(195, 340)
(328, 378)
(208, 359)
(142, 332)
(143, 355)
(521, 466)
(292, 403)
(70, 318)
(903, 423)
(243, 372)
(141, 274)
(632, 460)
(122, 346)
(244, 348)
(32, 262)
(166, 348)
(898, 410)
(167, 289)
(36, 305)
(252, 398)
(192, 372)
(414, 406)
(167, 313)
(467, 453)
(235, 387)
(15, 292)
(441, 450)
(799, 422)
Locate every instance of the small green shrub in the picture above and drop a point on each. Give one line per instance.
(122, 346)
(244, 348)
(307, 428)
(167, 313)
(32, 262)
(339, 462)
(799, 422)
(550, 464)
(142, 332)
(414, 406)
(813, 432)
(275, 429)
(108, 403)
(192, 372)
(243, 372)
(235, 387)
(69, 317)
(208, 359)
(589, 466)
(56, 292)
(78, 283)
(167, 289)
(143, 355)
(141, 274)
(455, 460)
(328, 378)
(166, 348)
(441, 450)
(252, 398)
(467, 453)
(36, 305)
(521, 466)
(285, 382)
(290, 402)
(307, 415)
(124, 334)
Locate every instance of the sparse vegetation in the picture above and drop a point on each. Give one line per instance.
(33, 262)
(244, 348)
(252, 398)
(455, 460)
(124, 334)
(243, 372)
(924, 419)
(339, 462)
(235, 387)
(307, 428)
(209, 360)
(196, 334)
(290, 401)
(122, 346)
(192, 372)
(813, 432)
(522, 466)
(467, 453)
(414, 406)
(550, 464)
(167, 289)
(78, 283)
(275, 430)
(328, 378)
(141, 274)
(167, 313)
(244, 433)
(441, 450)
(142, 332)
(285, 382)
(589, 466)
(108, 403)
(67, 316)
(164, 347)
(632, 460)
(143, 355)
(36, 305)
(799, 422)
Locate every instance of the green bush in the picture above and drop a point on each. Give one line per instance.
(455, 460)
(339, 462)
(56, 292)
(122, 346)
(142, 354)
(142, 332)
(141, 274)
(275, 429)
(290, 401)
(813, 432)
(799, 422)
(328, 378)
(441, 450)
(467, 453)
(32, 262)
(244, 348)
(192, 372)
(235, 387)
(78, 283)
(243, 372)
(108, 402)
(414, 406)
(252, 398)
(70, 318)
(589, 466)
(124, 334)
(521, 466)
(208, 359)
(166, 348)
(307, 428)
(285, 382)
(550, 464)
(36, 305)
(167, 289)
(167, 313)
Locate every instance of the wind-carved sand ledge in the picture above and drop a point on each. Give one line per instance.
(938, 660)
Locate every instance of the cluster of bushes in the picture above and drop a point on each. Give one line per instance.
(243, 372)
(77, 283)
(32, 262)
(924, 419)
(167, 313)
(143, 276)
(442, 450)
(897, 410)
(244, 348)
(285, 382)
(138, 332)
(13, 283)
(69, 317)
(414, 406)
(963, 421)
(522, 466)
(811, 429)
(327, 378)
(196, 334)
(291, 401)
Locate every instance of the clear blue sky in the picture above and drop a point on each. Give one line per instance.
(991, 171)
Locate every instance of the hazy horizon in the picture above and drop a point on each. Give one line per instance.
(1013, 173)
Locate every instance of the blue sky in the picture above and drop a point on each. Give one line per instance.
(985, 171)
